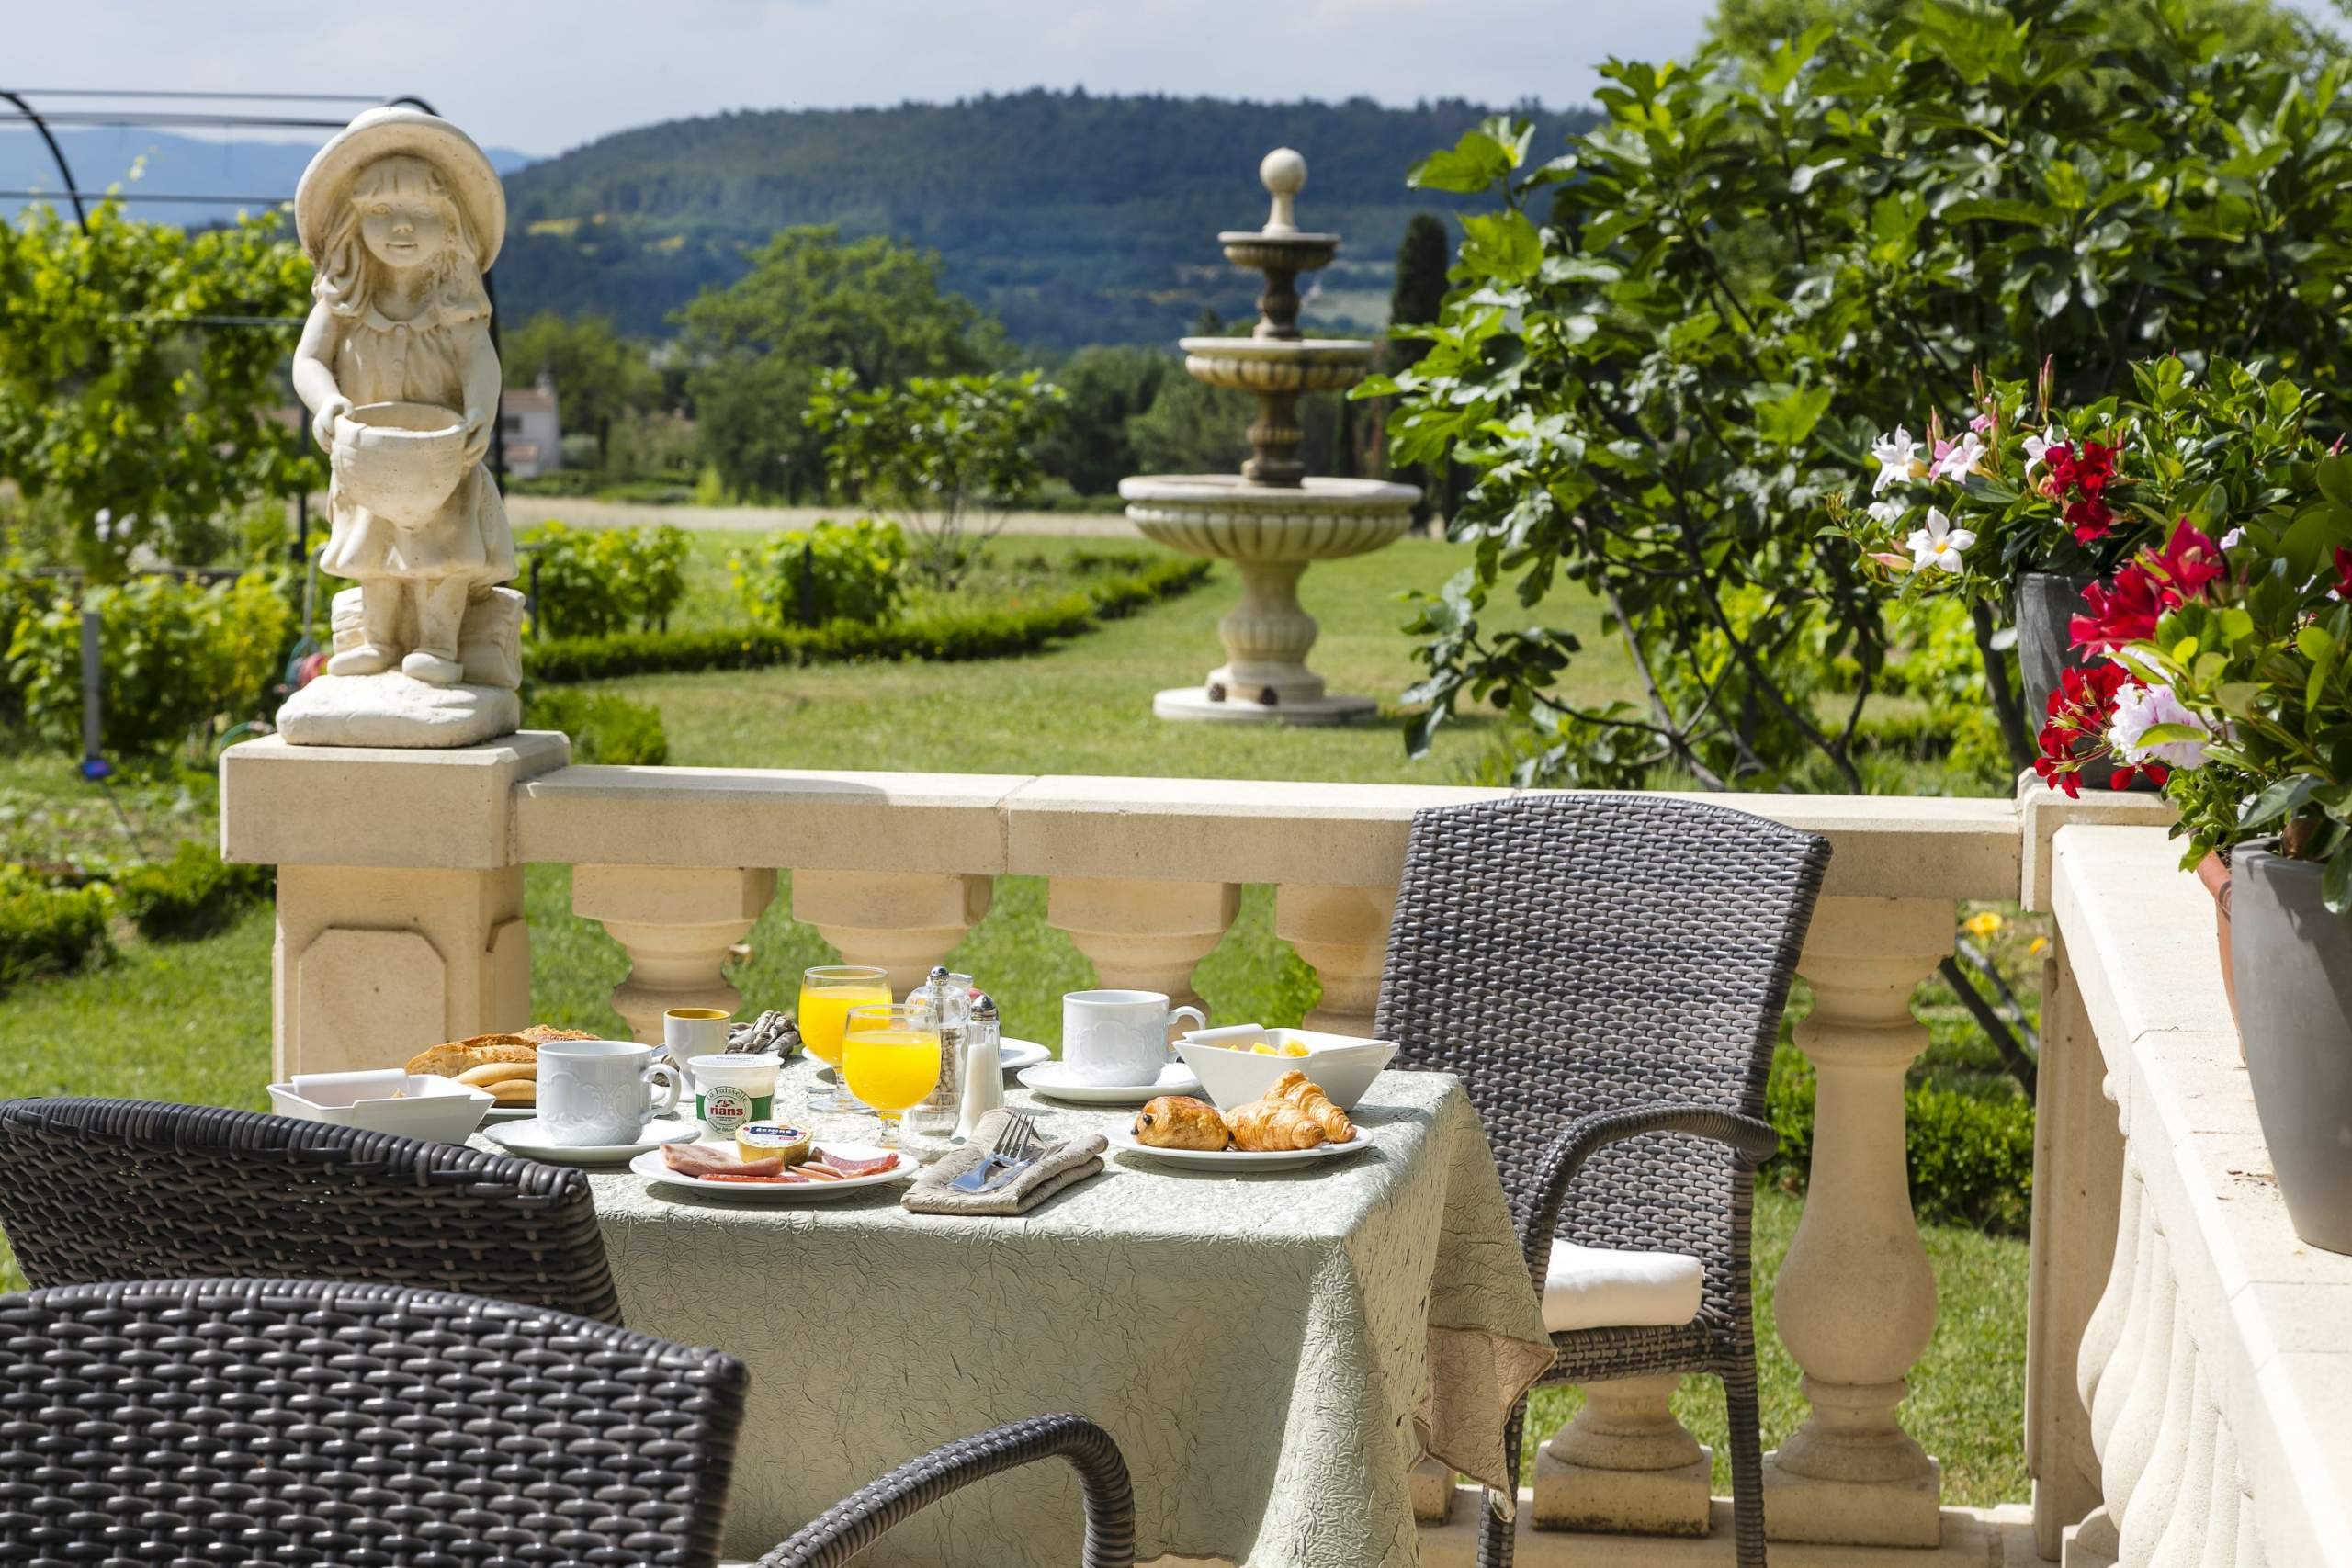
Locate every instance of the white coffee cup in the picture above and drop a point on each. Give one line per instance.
(1118, 1038)
(695, 1031)
(593, 1093)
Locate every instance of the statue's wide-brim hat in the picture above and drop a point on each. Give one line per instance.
(382, 132)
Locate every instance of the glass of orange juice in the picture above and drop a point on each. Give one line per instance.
(827, 993)
(890, 1060)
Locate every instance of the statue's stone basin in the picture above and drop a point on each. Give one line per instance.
(399, 460)
(1226, 516)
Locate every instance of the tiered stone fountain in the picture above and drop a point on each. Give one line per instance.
(1271, 519)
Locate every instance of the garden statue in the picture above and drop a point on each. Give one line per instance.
(402, 214)
(1271, 520)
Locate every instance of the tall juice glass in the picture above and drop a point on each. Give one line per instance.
(827, 994)
(890, 1060)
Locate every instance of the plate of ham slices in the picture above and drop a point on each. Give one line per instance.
(721, 1170)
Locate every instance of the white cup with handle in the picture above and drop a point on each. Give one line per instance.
(1119, 1039)
(596, 1093)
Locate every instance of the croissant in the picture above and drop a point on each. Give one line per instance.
(1296, 1088)
(1174, 1122)
(1265, 1126)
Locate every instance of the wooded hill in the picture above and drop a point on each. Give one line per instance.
(1074, 218)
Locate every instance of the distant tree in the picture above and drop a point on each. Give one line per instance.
(944, 457)
(1755, 27)
(1415, 301)
(1089, 448)
(596, 373)
(1190, 428)
(130, 412)
(812, 302)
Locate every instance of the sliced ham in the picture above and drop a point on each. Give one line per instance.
(778, 1179)
(845, 1165)
(706, 1161)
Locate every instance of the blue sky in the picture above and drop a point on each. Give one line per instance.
(542, 75)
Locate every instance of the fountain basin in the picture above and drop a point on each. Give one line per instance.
(1277, 365)
(1272, 532)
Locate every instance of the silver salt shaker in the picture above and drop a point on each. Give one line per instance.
(946, 997)
(983, 1067)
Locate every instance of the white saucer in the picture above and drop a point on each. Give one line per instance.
(529, 1139)
(1236, 1162)
(1050, 1079)
(1014, 1054)
(652, 1165)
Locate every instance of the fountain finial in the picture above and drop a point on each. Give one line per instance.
(1284, 173)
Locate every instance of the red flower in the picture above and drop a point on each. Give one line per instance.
(2127, 609)
(2085, 471)
(2091, 519)
(2189, 561)
(2080, 711)
(2343, 571)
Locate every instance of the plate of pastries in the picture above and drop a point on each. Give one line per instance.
(1294, 1124)
(504, 1067)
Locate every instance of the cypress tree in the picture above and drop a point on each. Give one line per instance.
(1418, 294)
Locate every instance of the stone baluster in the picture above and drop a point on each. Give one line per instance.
(2250, 1543)
(2223, 1501)
(2131, 1442)
(1856, 1298)
(2103, 1334)
(1432, 1481)
(1623, 1464)
(1143, 936)
(2105, 1380)
(677, 924)
(2160, 1489)
(900, 921)
(1342, 935)
(2181, 1540)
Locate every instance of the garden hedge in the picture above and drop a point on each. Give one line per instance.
(194, 894)
(944, 636)
(49, 931)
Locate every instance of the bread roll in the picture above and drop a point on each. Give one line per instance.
(451, 1060)
(1177, 1122)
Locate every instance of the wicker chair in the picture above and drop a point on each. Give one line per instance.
(290, 1422)
(1607, 972)
(95, 1190)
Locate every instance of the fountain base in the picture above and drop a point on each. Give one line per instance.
(1272, 532)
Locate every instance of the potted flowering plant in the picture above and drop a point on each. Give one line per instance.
(2223, 671)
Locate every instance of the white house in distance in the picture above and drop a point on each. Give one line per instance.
(528, 419)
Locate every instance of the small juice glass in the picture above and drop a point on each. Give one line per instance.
(890, 1060)
(827, 993)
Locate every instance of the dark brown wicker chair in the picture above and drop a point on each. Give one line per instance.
(1607, 972)
(95, 1190)
(307, 1422)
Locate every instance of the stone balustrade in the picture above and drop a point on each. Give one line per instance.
(2186, 1397)
(399, 925)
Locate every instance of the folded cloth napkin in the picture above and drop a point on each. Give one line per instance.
(1059, 1165)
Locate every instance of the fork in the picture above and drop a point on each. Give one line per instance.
(1015, 1146)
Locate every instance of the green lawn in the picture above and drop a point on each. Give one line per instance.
(191, 1020)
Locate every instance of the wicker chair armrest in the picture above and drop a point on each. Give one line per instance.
(1752, 1139)
(855, 1522)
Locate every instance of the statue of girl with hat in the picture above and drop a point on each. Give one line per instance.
(402, 214)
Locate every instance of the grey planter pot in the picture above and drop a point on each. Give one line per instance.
(2046, 607)
(2293, 964)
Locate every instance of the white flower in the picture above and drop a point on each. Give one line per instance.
(2233, 539)
(1959, 458)
(2138, 709)
(1938, 544)
(1898, 458)
(1885, 513)
(2037, 448)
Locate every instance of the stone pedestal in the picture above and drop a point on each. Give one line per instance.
(391, 710)
(1856, 1298)
(677, 924)
(400, 901)
(1624, 1465)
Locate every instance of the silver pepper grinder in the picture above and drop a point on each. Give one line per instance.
(983, 1067)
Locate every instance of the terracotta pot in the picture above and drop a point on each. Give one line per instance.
(2214, 873)
(2295, 970)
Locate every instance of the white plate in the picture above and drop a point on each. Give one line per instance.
(1234, 1162)
(1014, 1054)
(529, 1139)
(652, 1165)
(1048, 1078)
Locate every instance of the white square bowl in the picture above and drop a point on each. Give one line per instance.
(1342, 1066)
(413, 1105)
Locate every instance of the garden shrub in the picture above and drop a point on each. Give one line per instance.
(50, 930)
(1971, 1159)
(595, 582)
(604, 725)
(946, 635)
(828, 571)
(194, 894)
(174, 656)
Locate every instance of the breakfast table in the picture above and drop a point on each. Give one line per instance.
(1274, 1352)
